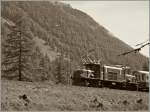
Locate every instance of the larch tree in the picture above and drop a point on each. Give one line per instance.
(59, 67)
(17, 49)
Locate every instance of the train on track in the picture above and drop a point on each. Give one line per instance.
(111, 76)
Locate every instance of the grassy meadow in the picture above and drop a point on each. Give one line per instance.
(48, 96)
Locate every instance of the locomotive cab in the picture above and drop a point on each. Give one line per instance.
(114, 76)
(89, 76)
(114, 73)
(95, 67)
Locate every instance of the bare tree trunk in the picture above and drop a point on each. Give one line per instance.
(20, 56)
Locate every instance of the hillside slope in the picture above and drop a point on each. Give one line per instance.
(58, 29)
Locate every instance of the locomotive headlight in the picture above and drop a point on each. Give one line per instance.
(113, 83)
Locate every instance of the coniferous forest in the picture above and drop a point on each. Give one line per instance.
(47, 41)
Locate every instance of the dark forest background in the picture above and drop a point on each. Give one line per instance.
(55, 38)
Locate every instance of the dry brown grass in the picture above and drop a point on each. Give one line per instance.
(48, 96)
